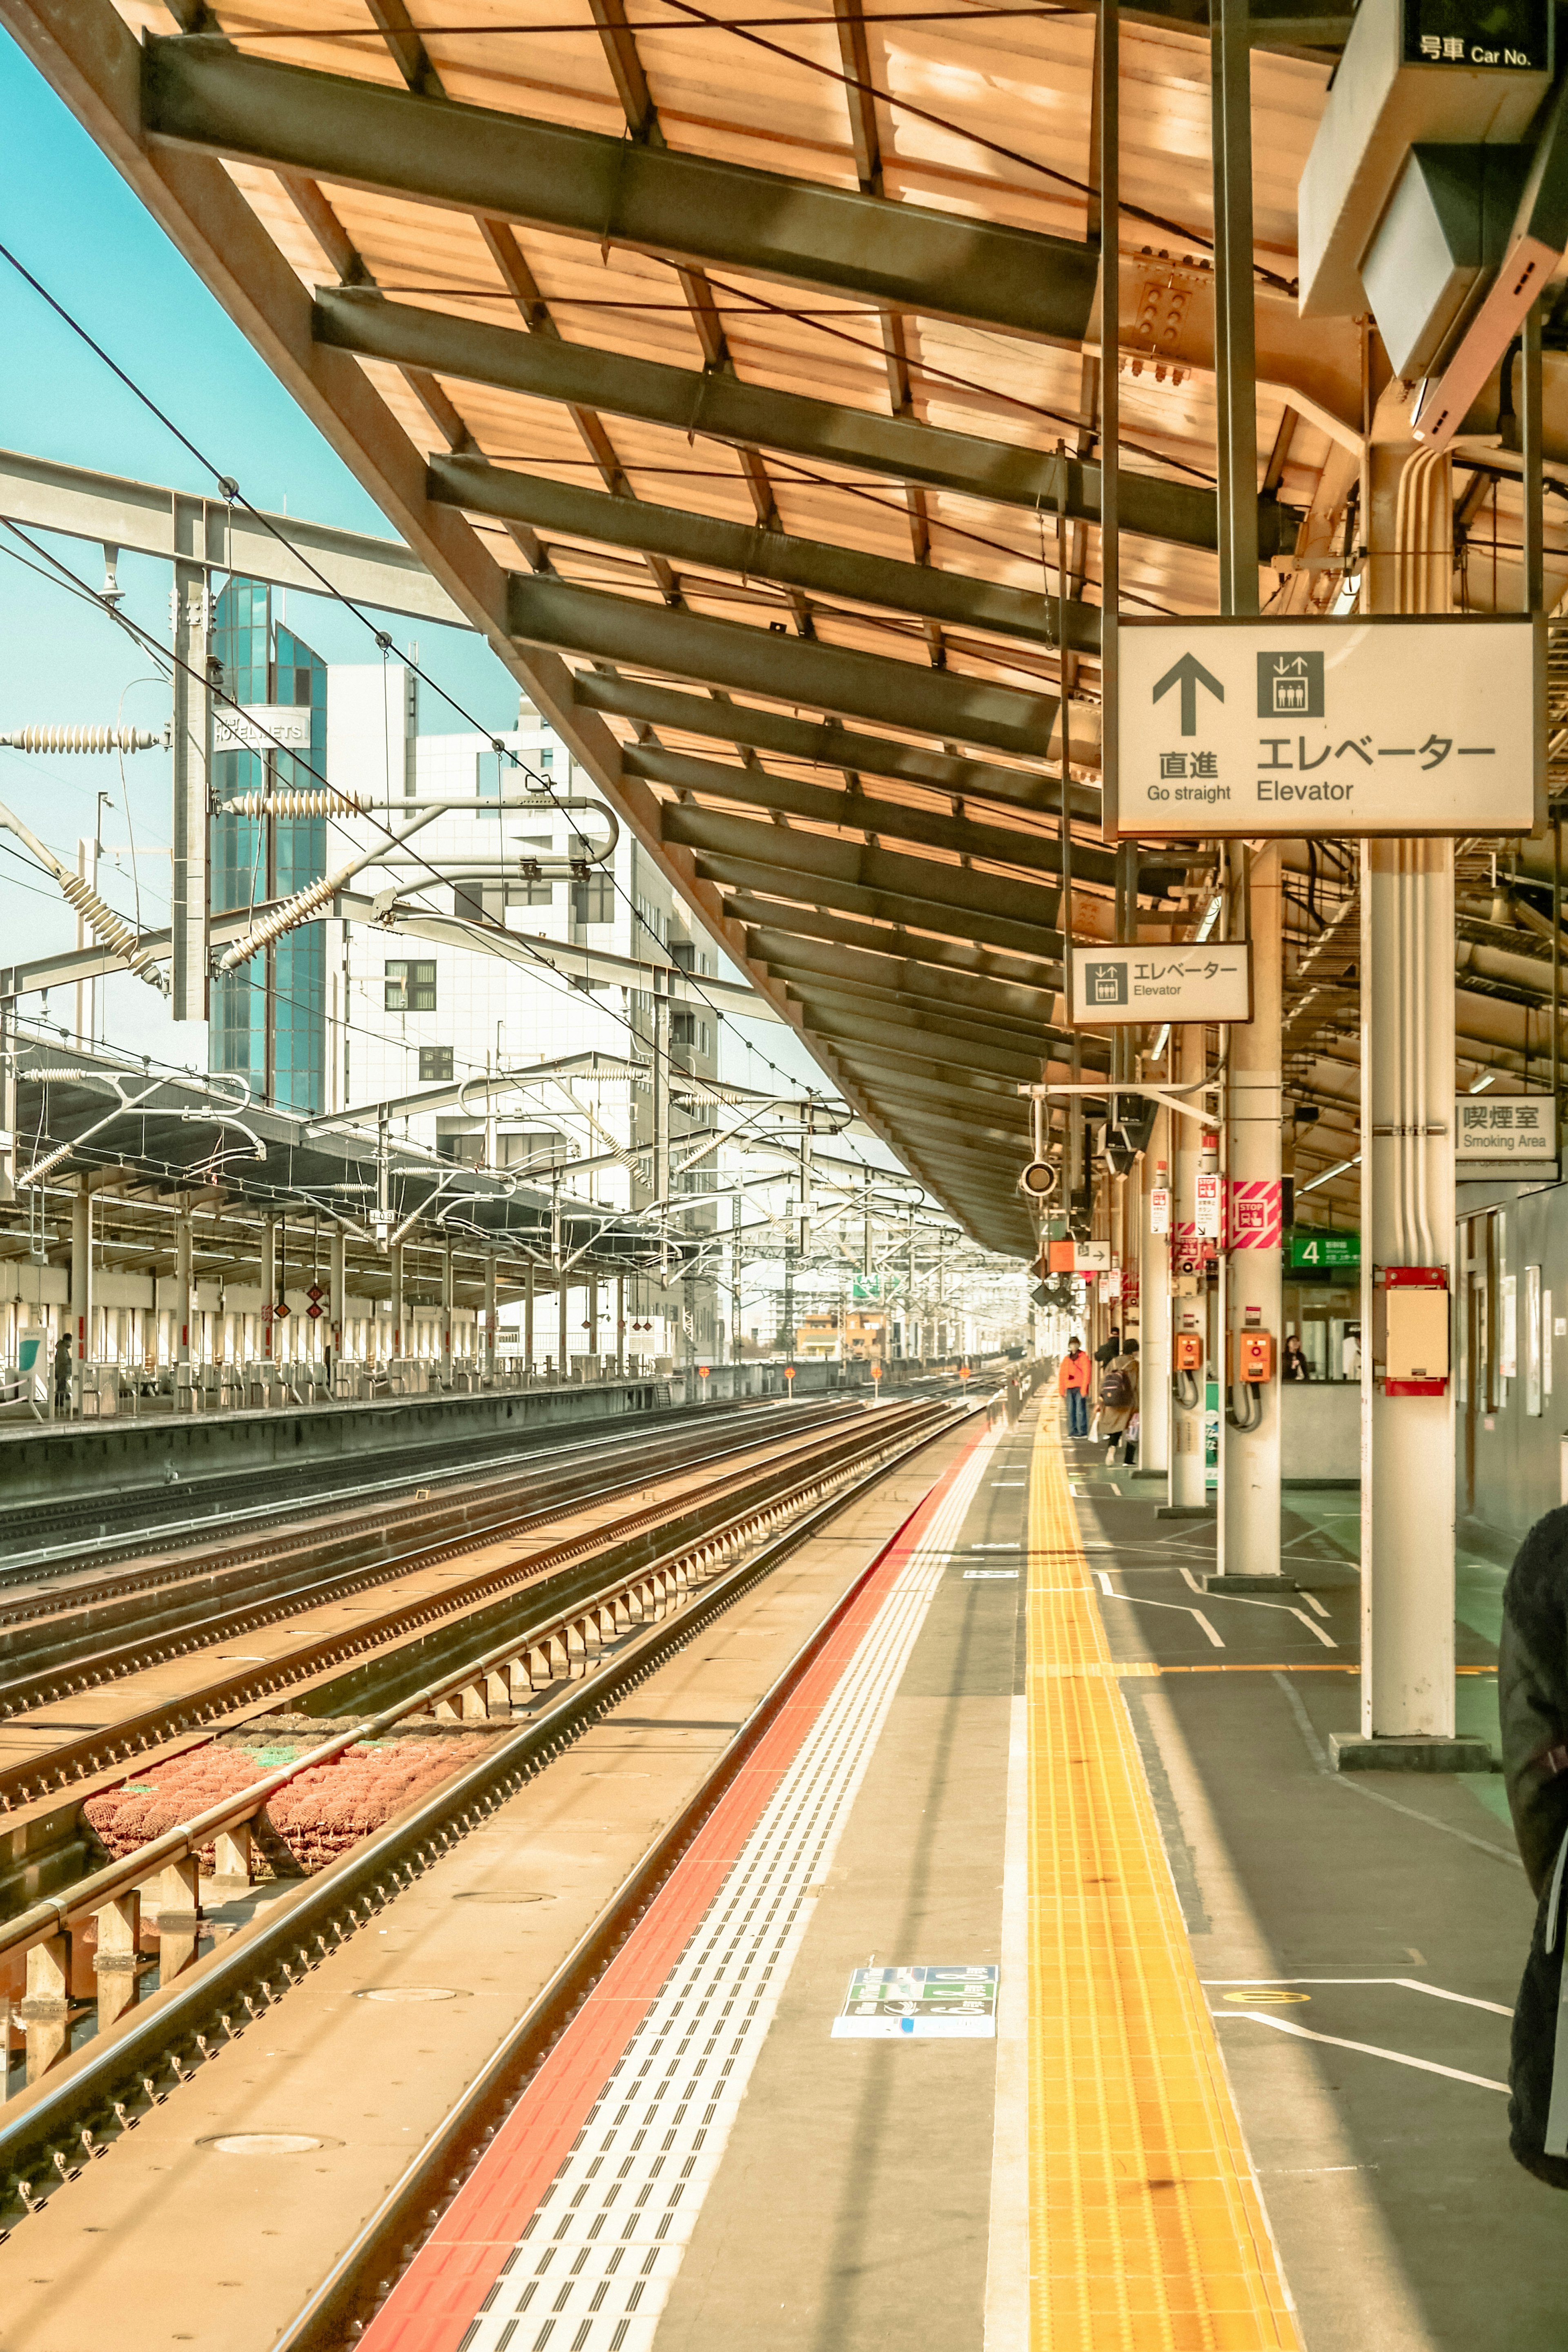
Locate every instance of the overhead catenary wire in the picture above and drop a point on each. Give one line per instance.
(230, 489)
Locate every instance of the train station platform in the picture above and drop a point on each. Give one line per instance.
(1236, 2082)
(1034, 1982)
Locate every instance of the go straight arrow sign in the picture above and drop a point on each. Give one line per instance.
(1418, 724)
(1189, 674)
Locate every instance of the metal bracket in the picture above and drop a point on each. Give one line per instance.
(1171, 1096)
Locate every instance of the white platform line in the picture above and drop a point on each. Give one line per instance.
(1367, 2049)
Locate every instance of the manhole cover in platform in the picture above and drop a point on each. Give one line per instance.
(410, 1992)
(267, 2143)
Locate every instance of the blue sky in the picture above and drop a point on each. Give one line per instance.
(68, 215)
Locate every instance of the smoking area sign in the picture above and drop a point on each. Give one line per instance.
(1117, 985)
(1495, 1128)
(950, 2004)
(1418, 725)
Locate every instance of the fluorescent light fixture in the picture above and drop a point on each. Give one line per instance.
(1338, 1170)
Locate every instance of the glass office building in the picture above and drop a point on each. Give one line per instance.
(269, 1015)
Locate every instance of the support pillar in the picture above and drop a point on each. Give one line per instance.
(1250, 1468)
(1154, 1308)
(527, 1313)
(81, 1285)
(398, 1340)
(1406, 1180)
(563, 1335)
(114, 1962)
(47, 2007)
(183, 1238)
(338, 1305)
(446, 1310)
(268, 1283)
(490, 1314)
(593, 1315)
(1188, 1488)
(620, 1327)
(179, 1917)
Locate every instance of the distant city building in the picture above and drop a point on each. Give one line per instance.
(336, 1016)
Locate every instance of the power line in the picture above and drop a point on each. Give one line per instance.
(230, 491)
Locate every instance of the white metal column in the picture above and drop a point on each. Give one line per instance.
(338, 1304)
(1407, 1219)
(81, 1285)
(1189, 1488)
(183, 1240)
(1155, 1308)
(1249, 1548)
(1407, 1456)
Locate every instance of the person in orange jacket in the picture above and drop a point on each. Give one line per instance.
(1073, 1382)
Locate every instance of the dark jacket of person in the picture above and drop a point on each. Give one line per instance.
(1112, 1349)
(1532, 1701)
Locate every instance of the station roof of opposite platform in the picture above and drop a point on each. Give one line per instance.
(149, 1142)
(737, 373)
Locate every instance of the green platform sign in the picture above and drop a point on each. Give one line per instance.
(1325, 1252)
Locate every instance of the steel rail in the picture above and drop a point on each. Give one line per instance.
(65, 2121)
(442, 1460)
(325, 1657)
(159, 1587)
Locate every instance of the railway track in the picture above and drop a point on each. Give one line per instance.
(464, 1608)
(573, 1662)
(46, 1538)
(61, 1635)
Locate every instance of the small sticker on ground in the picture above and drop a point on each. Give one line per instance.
(945, 2003)
(989, 1575)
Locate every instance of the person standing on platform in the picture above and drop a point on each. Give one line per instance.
(1119, 1404)
(63, 1372)
(1073, 1382)
(1295, 1366)
(1532, 1705)
(1108, 1351)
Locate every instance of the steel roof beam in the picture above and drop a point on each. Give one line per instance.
(754, 553)
(201, 92)
(827, 745)
(889, 820)
(723, 407)
(922, 1042)
(910, 1016)
(741, 658)
(1028, 970)
(866, 881)
(799, 961)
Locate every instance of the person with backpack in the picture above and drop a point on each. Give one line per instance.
(1532, 1705)
(1119, 1403)
(1073, 1382)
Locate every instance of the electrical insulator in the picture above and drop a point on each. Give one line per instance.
(323, 803)
(80, 739)
(112, 929)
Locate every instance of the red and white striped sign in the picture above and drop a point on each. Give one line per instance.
(1257, 1209)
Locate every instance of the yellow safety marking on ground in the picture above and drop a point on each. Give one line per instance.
(1146, 2225)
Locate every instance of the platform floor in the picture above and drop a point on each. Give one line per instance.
(1245, 2089)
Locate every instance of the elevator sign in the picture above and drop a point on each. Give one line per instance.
(1419, 725)
(1113, 985)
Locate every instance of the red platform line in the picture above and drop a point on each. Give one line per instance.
(432, 2305)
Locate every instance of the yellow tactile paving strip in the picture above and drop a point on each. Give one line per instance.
(1146, 2226)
